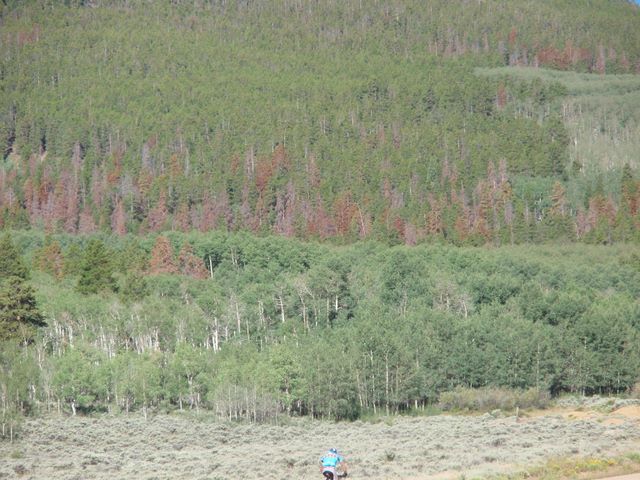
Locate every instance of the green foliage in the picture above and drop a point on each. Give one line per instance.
(599, 112)
(262, 337)
(348, 120)
(488, 399)
(19, 313)
(96, 269)
(73, 260)
(420, 111)
(78, 379)
(136, 380)
(11, 262)
(18, 376)
(133, 287)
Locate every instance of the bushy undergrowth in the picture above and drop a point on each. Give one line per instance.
(492, 398)
(181, 446)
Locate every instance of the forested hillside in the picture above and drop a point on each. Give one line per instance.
(326, 208)
(348, 120)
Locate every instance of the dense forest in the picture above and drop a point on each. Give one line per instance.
(335, 208)
(321, 120)
(270, 326)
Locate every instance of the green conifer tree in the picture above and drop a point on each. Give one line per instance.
(19, 314)
(11, 263)
(96, 270)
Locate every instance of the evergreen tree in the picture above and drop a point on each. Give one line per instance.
(96, 269)
(134, 287)
(11, 263)
(72, 260)
(19, 314)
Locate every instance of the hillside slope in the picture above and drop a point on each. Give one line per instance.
(318, 120)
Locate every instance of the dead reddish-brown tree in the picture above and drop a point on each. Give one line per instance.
(86, 223)
(157, 217)
(51, 260)
(190, 264)
(162, 260)
(181, 219)
(119, 219)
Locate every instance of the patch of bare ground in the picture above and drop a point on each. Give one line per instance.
(188, 447)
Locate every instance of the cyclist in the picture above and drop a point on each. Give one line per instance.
(333, 465)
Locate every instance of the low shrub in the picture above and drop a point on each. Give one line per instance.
(492, 398)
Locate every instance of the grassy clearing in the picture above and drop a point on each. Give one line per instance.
(601, 112)
(179, 446)
(576, 83)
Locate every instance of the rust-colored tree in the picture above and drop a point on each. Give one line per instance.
(119, 219)
(86, 224)
(72, 211)
(116, 169)
(162, 260)
(286, 211)
(190, 264)
(344, 211)
(281, 160)
(50, 259)
(207, 220)
(264, 172)
(558, 200)
(513, 37)
(181, 219)
(434, 218)
(158, 215)
(501, 97)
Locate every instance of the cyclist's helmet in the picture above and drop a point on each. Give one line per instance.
(333, 450)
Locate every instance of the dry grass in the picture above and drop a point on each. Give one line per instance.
(184, 447)
(583, 468)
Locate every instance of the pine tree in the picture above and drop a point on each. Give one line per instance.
(11, 263)
(134, 287)
(72, 260)
(19, 314)
(96, 269)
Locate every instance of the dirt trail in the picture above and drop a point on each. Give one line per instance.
(633, 476)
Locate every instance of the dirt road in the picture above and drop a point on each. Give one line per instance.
(633, 476)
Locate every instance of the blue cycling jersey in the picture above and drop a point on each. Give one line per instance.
(331, 460)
